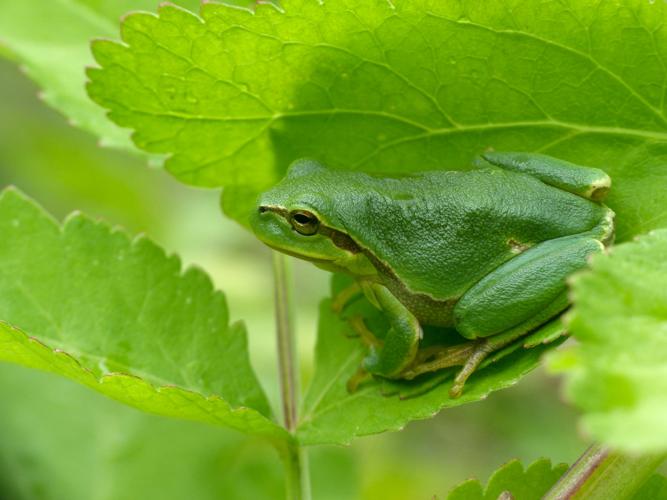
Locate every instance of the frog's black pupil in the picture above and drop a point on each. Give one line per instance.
(303, 218)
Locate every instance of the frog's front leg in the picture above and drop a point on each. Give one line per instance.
(516, 298)
(345, 296)
(400, 344)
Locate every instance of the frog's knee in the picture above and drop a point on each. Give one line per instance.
(588, 182)
(468, 327)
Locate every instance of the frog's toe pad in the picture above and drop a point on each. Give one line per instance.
(359, 377)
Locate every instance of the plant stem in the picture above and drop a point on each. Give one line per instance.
(287, 365)
(294, 457)
(297, 479)
(603, 474)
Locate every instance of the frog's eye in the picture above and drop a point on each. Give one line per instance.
(304, 222)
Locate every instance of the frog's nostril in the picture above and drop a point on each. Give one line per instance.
(262, 209)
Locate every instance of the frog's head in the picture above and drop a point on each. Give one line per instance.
(297, 217)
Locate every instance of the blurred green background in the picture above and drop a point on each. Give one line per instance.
(61, 441)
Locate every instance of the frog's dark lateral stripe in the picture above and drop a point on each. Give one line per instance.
(341, 240)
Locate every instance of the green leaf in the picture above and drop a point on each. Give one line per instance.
(51, 41)
(84, 301)
(90, 447)
(655, 489)
(530, 484)
(617, 373)
(235, 97)
(535, 481)
(331, 415)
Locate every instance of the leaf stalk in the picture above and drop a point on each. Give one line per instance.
(601, 474)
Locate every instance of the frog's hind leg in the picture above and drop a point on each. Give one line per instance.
(587, 182)
(471, 355)
(513, 300)
(518, 290)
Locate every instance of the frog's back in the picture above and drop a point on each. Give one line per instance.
(440, 232)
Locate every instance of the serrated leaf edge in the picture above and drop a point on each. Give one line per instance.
(239, 416)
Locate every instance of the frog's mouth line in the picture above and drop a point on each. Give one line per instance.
(298, 255)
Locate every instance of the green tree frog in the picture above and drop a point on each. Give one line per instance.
(486, 251)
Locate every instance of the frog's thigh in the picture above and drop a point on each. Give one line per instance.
(402, 339)
(521, 288)
(587, 182)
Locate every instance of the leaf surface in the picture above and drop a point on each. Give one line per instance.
(617, 373)
(120, 316)
(655, 488)
(234, 97)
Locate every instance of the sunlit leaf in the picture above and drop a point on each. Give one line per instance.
(234, 97)
(121, 317)
(617, 372)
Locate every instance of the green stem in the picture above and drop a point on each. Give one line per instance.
(297, 480)
(601, 474)
(294, 457)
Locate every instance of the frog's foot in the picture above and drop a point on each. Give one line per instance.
(469, 355)
(360, 329)
(360, 376)
(367, 337)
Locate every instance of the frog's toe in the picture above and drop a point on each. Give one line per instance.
(469, 355)
(437, 357)
(358, 326)
(360, 376)
(469, 367)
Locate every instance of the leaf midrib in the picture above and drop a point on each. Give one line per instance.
(428, 131)
(312, 412)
